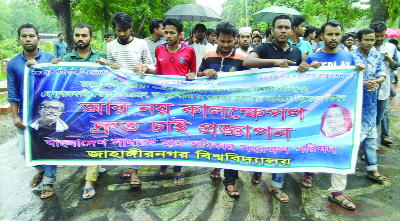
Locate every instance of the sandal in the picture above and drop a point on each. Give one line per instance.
(234, 192)
(86, 190)
(375, 175)
(307, 181)
(177, 178)
(126, 173)
(135, 182)
(215, 174)
(278, 193)
(256, 178)
(344, 201)
(36, 180)
(47, 193)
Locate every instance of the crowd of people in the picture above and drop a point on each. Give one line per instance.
(207, 52)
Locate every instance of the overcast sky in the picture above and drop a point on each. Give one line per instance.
(214, 4)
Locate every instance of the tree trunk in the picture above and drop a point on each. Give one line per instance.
(379, 10)
(62, 10)
(106, 17)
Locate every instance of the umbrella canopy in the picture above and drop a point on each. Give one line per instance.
(392, 33)
(268, 14)
(191, 12)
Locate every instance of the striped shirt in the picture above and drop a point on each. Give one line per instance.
(213, 60)
(128, 55)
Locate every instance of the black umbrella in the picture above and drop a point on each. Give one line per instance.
(191, 12)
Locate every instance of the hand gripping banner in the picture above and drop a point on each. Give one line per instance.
(267, 120)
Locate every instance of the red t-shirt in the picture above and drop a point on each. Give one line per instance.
(177, 63)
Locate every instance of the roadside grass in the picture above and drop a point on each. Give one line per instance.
(3, 76)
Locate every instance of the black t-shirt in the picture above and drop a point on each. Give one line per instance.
(271, 51)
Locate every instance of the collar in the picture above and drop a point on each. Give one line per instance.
(37, 55)
(291, 43)
(61, 126)
(361, 54)
(231, 54)
(181, 46)
(205, 43)
(276, 47)
(75, 54)
(119, 42)
(159, 39)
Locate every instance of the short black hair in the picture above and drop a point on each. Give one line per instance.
(200, 27)
(174, 22)
(309, 30)
(27, 25)
(378, 27)
(282, 16)
(225, 28)
(84, 25)
(267, 32)
(121, 19)
(59, 34)
(346, 36)
(297, 20)
(210, 31)
(256, 29)
(394, 41)
(364, 31)
(318, 32)
(332, 23)
(154, 23)
(257, 36)
(107, 35)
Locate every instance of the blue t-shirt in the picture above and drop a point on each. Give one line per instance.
(340, 58)
(15, 76)
(304, 46)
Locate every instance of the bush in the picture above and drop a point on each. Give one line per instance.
(47, 47)
(9, 48)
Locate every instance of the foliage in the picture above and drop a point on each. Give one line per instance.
(316, 12)
(394, 11)
(47, 47)
(98, 13)
(17, 12)
(9, 48)
(3, 76)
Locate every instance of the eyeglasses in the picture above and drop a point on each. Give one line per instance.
(50, 108)
(368, 40)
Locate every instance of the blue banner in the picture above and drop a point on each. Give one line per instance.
(267, 120)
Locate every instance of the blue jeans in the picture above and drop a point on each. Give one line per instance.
(382, 117)
(371, 158)
(176, 169)
(49, 171)
(277, 179)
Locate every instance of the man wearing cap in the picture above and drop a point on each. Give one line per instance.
(245, 40)
(200, 46)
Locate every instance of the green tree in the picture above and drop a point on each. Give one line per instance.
(14, 13)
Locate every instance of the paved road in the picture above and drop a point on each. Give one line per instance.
(200, 198)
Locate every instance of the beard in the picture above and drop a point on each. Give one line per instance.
(82, 46)
(31, 48)
(200, 38)
(244, 47)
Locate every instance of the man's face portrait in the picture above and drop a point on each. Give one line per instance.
(50, 111)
